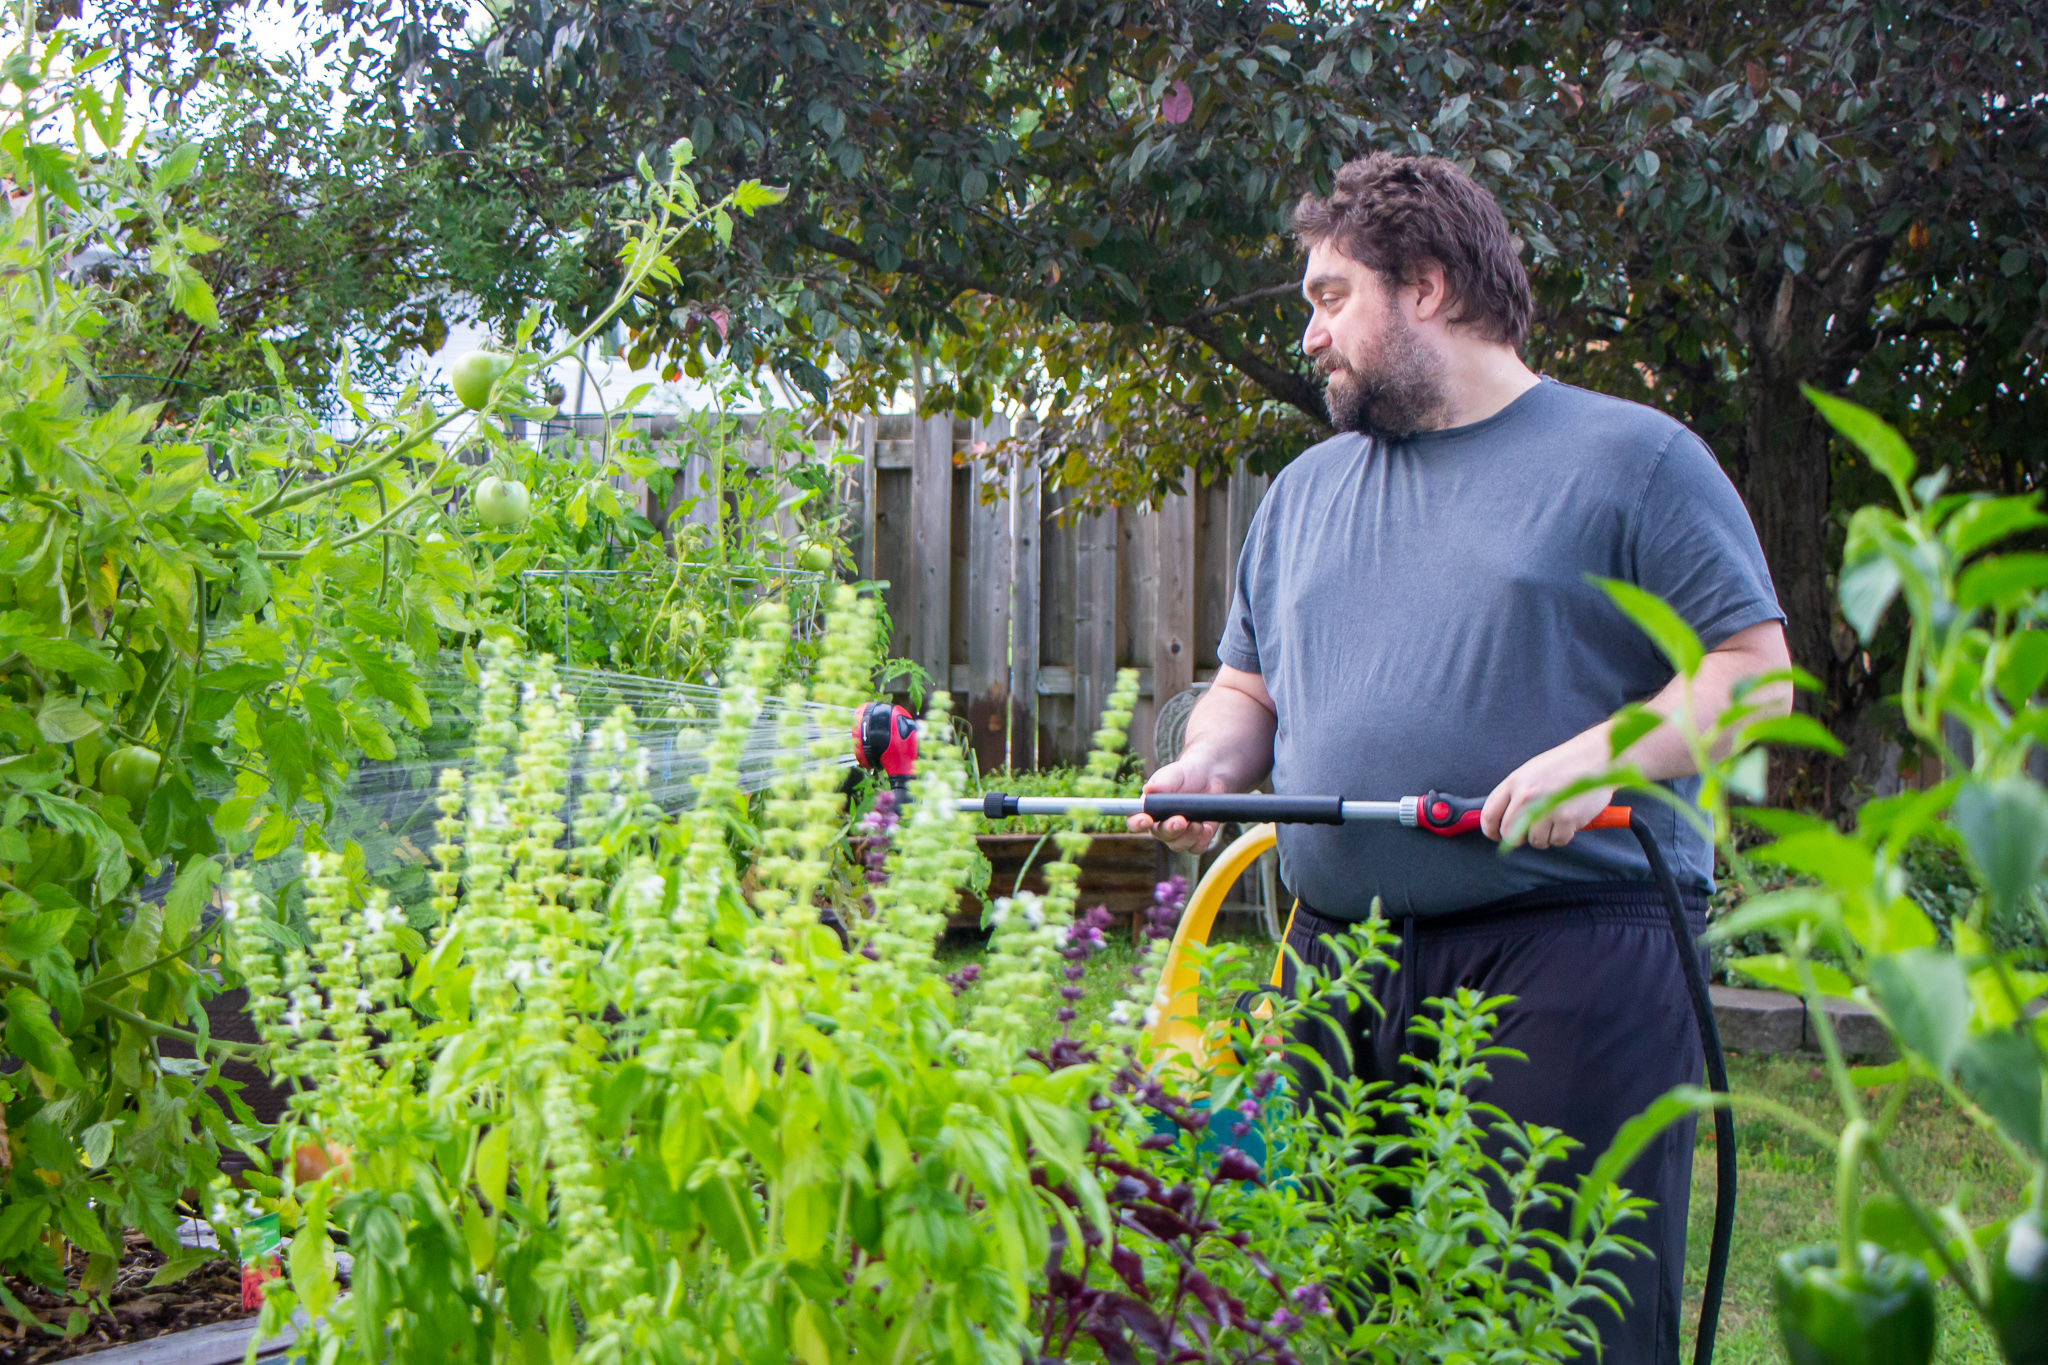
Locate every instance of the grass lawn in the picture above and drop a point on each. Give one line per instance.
(1786, 1190)
(1786, 1199)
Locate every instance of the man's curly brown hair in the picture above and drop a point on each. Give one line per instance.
(1394, 214)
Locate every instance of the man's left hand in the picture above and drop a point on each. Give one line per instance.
(1581, 756)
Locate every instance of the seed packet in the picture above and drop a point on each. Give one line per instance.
(259, 1241)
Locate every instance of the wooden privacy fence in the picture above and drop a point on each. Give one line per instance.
(1027, 613)
(1023, 610)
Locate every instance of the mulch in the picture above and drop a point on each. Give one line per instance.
(132, 1311)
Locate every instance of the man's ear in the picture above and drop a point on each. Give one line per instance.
(1426, 286)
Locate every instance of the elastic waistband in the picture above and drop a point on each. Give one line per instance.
(1547, 906)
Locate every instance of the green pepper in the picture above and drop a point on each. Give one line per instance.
(2019, 1290)
(1884, 1315)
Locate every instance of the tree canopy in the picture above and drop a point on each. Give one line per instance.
(1083, 205)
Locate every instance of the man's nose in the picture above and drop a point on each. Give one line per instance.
(1316, 338)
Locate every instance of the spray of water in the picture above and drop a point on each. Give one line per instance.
(387, 807)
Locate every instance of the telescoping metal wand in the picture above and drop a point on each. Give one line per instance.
(1432, 811)
(1450, 816)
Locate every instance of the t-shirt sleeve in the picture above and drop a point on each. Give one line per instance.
(1239, 647)
(1695, 547)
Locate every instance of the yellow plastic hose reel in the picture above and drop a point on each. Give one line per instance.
(1179, 1027)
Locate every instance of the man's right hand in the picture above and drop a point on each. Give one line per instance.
(1188, 775)
(1228, 748)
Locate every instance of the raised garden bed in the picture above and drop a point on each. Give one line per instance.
(1118, 873)
(136, 1313)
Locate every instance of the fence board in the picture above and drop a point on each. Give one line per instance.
(963, 504)
(1173, 618)
(892, 554)
(1058, 545)
(1137, 608)
(1026, 523)
(928, 606)
(988, 617)
(1096, 590)
(1210, 558)
(1173, 639)
(865, 433)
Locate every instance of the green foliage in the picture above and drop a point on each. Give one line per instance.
(1090, 221)
(1788, 1199)
(1365, 1228)
(323, 240)
(249, 598)
(622, 1103)
(1956, 1005)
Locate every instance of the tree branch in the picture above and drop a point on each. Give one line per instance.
(1858, 244)
(1271, 291)
(1288, 386)
(846, 249)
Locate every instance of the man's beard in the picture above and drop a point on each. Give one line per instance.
(1397, 391)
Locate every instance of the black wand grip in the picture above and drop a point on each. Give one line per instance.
(1246, 808)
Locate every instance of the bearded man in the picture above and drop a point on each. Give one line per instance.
(1415, 611)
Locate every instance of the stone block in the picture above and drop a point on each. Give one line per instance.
(1758, 1021)
(1861, 1033)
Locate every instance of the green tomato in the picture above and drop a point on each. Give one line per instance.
(130, 773)
(817, 558)
(502, 503)
(473, 376)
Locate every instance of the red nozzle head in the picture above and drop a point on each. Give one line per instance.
(885, 737)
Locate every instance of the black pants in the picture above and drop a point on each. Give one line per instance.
(1602, 1015)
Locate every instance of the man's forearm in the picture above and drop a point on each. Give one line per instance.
(1666, 752)
(1232, 735)
(1663, 754)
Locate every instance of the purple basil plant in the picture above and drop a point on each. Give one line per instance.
(1167, 1309)
(1164, 1307)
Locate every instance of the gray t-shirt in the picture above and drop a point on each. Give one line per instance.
(1421, 615)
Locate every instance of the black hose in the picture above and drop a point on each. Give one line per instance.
(1717, 1080)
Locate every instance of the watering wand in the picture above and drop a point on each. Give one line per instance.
(1448, 817)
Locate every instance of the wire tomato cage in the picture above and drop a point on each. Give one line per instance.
(803, 591)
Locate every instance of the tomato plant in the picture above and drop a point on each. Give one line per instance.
(202, 629)
(744, 497)
(130, 773)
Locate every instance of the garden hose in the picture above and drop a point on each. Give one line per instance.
(1446, 816)
(1717, 1081)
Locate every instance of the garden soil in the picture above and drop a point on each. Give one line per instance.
(133, 1312)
